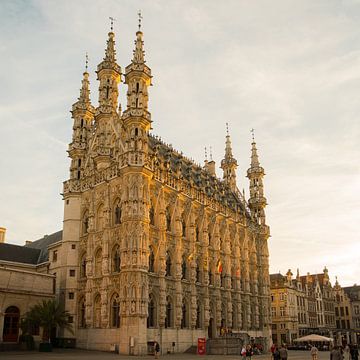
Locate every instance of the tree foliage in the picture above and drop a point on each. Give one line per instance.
(48, 314)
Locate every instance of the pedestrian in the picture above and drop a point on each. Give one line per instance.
(283, 353)
(243, 352)
(249, 352)
(346, 354)
(157, 349)
(272, 349)
(276, 354)
(314, 352)
(335, 353)
(354, 352)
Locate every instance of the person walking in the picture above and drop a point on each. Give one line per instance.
(276, 354)
(157, 349)
(346, 353)
(243, 352)
(249, 352)
(314, 352)
(335, 353)
(354, 352)
(283, 353)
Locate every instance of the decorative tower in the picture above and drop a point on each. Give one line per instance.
(136, 175)
(136, 117)
(229, 163)
(106, 117)
(83, 115)
(257, 203)
(255, 173)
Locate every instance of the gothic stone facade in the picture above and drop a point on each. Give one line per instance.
(154, 246)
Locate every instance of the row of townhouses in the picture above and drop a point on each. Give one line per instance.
(309, 304)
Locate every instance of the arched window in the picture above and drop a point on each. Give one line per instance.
(168, 264)
(184, 318)
(117, 214)
(151, 312)
(85, 223)
(151, 259)
(168, 219)
(116, 259)
(234, 317)
(183, 268)
(83, 266)
(11, 324)
(198, 317)
(151, 215)
(115, 311)
(82, 322)
(169, 313)
(98, 263)
(97, 312)
(183, 227)
(198, 274)
(211, 278)
(100, 218)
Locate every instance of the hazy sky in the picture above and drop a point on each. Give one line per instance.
(289, 69)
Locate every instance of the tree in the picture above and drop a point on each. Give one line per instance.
(48, 314)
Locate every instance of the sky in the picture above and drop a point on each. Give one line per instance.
(288, 69)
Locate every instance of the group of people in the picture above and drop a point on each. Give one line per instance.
(337, 353)
(347, 353)
(279, 353)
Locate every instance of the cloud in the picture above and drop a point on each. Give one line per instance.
(291, 70)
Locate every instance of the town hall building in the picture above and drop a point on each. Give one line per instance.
(154, 247)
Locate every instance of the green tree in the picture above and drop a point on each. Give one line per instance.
(48, 314)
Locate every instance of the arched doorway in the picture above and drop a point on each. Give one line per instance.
(11, 324)
(210, 328)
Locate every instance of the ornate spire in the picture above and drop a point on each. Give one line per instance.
(139, 51)
(229, 163)
(254, 156)
(138, 78)
(255, 173)
(136, 118)
(109, 75)
(84, 98)
(85, 85)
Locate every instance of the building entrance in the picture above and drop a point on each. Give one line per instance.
(11, 324)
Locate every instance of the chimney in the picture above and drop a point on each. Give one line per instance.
(210, 167)
(27, 242)
(2, 234)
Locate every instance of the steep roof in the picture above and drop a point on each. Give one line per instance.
(353, 292)
(19, 254)
(184, 168)
(43, 244)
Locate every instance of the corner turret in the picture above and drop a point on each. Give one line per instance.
(83, 115)
(136, 118)
(255, 173)
(229, 163)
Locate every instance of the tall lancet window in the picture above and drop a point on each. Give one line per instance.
(117, 213)
(168, 219)
(151, 259)
(183, 268)
(82, 322)
(168, 264)
(115, 311)
(151, 215)
(169, 313)
(151, 312)
(116, 259)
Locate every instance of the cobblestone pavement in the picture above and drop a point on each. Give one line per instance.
(71, 354)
